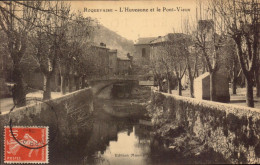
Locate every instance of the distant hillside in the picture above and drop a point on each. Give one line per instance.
(113, 40)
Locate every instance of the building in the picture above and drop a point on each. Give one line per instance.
(112, 62)
(124, 66)
(166, 42)
(109, 62)
(142, 49)
(100, 59)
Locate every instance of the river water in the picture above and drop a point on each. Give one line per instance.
(118, 137)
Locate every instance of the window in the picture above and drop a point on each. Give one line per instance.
(143, 52)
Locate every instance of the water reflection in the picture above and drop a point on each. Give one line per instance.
(128, 149)
(117, 141)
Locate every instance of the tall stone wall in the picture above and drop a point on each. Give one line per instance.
(68, 118)
(233, 131)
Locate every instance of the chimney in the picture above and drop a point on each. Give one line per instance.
(102, 44)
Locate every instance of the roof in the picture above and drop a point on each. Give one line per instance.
(203, 76)
(171, 37)
(123, 58)
(113, 50)
(96, 45)
(144, 41)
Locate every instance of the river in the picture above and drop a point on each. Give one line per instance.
(116, 138)
(119, 136)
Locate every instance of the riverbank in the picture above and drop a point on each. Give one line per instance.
(204, 131)
(7, 103)
(175, 143)
(235, 99)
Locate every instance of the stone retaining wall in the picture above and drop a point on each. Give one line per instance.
(233, 131)
(68, 118)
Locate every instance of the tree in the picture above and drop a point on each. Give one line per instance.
(163, 63)
(190, 52)
(232, 64)
(157, 68)
(210, 44)
(241, 22)
(192, 62)
(78, 35)
(47, 39)
(17, 20)
(257, 72)
(170, 56)
(179, 55)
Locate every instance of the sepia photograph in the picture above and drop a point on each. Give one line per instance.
(129, 82)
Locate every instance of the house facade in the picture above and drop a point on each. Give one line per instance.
(100, 59)
(124, 66)
(112, 62)
(142, 49)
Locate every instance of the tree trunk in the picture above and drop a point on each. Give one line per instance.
(191, 87)
(168, 83)
(159, 86)
(70, 83)
(257, 81)
(179, 87)
(63, 84)
(242, 84)
(19, 94)
(213, 86)
(249, 91)
(76, 79)
(234, 77)
(47, 87)
(191, 81)
(197, 72)
(83, 83)
(169, 86)
(234, 85)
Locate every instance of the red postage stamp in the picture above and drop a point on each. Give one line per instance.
(32, 146)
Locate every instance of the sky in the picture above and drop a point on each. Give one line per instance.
(133, 25)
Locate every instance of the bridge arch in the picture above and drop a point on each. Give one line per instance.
(112, 88)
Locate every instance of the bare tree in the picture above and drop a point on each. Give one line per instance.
(191, 54)
(232, 65)
(179, 55)
(192, 61)
(48, 38)
(17, 20)
(241, 22)
(157, 68)
(210, 44)
(78, 35)
(171, 56)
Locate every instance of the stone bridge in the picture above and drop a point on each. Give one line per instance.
(120, 87)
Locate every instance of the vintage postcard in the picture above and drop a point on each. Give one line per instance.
(140, 82)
